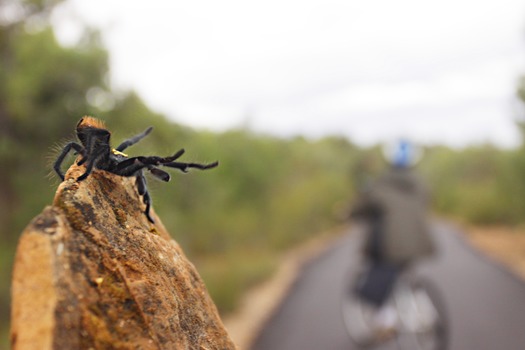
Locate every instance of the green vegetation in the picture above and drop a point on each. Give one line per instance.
(267, 195)
(481, 185)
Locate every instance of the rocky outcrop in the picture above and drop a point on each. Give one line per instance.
(91, 272)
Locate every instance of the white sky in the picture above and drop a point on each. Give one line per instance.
(435, 71)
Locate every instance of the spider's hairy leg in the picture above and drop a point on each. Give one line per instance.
(90, 165)
(184, 166)
(160, 174)
(89, 169)
(169, 162)
(71, 145)
(141, 183)
(97, 146)
(130, 166)
(143, 191)
(147, 200)
(177, 155)
(133, 140)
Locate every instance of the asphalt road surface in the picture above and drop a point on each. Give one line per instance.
(485, 303)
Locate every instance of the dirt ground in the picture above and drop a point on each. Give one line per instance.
(505, 245)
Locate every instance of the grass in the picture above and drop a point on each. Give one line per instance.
(227, 277)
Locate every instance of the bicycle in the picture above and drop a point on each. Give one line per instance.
(420, 320)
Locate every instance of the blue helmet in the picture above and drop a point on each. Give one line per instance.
(402, 154)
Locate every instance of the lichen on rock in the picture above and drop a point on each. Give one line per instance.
(91, 272)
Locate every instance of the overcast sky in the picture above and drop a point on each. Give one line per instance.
(435, 71)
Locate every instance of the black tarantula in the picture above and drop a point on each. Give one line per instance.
(97, 153)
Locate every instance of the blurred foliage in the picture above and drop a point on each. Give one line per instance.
(267, 195)
(482, 184)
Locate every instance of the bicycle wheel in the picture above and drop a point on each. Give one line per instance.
(360, 320)
(422, 316)
(357, 317)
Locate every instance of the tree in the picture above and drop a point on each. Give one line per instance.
(43, 90)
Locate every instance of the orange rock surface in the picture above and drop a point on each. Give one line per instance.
(91, 272)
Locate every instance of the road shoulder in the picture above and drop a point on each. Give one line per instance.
(504, 245)
(260, 302)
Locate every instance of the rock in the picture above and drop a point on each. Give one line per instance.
(91, 272)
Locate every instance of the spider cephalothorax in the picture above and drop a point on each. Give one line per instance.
(96, 152)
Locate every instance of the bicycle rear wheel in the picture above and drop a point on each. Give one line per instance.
(360, 319)
(357, 317)
(422, 316)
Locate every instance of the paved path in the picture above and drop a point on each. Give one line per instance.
(486, 304)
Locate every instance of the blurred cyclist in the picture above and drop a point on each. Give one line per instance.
(394, 208)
